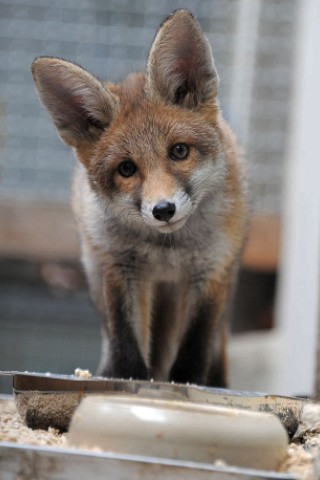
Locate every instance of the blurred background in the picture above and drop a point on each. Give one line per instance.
(47, 322)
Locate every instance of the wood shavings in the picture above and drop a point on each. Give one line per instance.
(82, 373)
(220, 463)
(299, 461)
(310, 420)
(12, 429)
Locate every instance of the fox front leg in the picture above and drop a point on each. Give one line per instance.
(125, 355)
(201, 358)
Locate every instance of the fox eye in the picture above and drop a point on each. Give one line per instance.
(127, 168)
(180, 151)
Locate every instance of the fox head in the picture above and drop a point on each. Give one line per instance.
(151, 145)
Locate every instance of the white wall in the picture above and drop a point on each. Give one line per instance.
(298, 301)
(283, 361)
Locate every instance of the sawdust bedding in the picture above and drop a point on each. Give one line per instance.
(12, 429)
(299, 461)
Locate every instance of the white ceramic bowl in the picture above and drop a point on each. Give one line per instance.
(179, 430)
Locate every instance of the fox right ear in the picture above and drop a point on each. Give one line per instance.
(78, 103)
(181, 67)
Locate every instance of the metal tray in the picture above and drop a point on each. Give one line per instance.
(45, 400)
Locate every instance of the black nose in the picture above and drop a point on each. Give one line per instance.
(163, 211)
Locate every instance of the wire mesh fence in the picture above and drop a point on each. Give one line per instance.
(252, 42)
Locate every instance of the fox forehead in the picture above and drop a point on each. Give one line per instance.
(144, 127)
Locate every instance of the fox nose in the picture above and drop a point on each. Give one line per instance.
(164, 210)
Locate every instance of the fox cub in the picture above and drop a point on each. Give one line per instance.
(159, 196)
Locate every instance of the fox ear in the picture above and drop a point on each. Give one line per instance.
(181, 67)
(78, 103)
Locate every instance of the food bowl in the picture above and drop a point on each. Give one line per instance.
(177, 430)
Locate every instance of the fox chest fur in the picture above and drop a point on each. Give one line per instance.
(159, 198)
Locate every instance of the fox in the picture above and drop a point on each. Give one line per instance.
(160, 200)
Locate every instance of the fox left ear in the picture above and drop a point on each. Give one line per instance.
(180, 67)
(80, 106)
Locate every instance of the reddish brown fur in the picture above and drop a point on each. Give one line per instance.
(161, 284)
